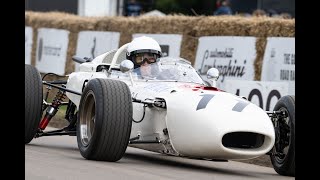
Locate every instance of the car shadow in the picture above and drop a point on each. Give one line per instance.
(193, 164)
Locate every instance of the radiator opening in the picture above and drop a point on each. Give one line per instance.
(245, 140)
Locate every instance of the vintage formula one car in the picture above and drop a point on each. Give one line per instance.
(173, 111)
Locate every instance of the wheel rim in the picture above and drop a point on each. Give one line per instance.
(283, 139)
(87, 118)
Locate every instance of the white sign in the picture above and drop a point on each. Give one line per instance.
(262, 93)
(279, 61)
(27, 45)
(52, 46)
(91, 44)
(232, 56)
(170, 43)
(100, 7)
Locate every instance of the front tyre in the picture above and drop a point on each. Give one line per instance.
(283, 152)
(104, 120)
(32, 102)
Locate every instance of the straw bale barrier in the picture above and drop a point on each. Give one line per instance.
(190, 27)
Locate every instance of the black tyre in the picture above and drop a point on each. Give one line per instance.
(32, 102)
(104, 120)
(283, 155)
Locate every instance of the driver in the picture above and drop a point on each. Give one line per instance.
(143, 51)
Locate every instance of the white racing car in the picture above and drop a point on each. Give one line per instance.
(173, 111)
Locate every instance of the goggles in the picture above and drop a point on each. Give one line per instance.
(144, 57)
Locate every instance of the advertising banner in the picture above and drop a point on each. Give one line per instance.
(262, 93)
(28, 45)
(52, 46)
(232, 56)
(91, 44)
(279, 61)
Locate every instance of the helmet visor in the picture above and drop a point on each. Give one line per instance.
(141, 58)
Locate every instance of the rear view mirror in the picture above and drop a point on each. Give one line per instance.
(213, 75)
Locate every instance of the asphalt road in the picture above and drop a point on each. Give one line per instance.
(59, 158)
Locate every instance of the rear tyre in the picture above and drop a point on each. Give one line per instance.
(283, 155)
(104, 120)
(32, 102)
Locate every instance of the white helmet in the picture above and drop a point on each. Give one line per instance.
(141, 45)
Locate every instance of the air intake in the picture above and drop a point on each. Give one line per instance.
(244, 140)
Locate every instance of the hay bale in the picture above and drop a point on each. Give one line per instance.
(190, 27)
(59, 20)
(223, 26)
(260, 47)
